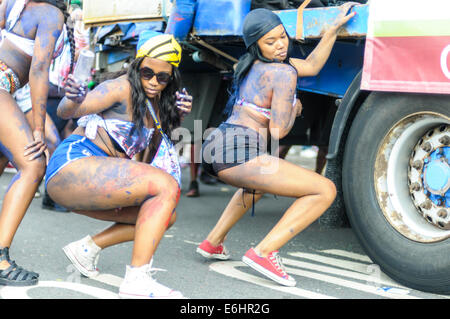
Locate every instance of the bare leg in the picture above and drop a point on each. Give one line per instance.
(236, 208)
(15, 134)
(314, 195)
(239, 204)
(116, 234)
(89, 179)
(124, 228)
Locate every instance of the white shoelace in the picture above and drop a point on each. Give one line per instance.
(276, 260)
(151, 270)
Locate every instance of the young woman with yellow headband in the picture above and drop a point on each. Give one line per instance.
(119, 164)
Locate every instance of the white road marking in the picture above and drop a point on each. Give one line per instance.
(348, 284)
(326, 269)
(347, 254)
(108, 279)
(339, 272)
(9, 292)
(366, 269)
(341, 263)
(191, 242)
(228, 268)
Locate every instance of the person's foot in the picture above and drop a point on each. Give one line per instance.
(13, 275)
(139, 284)
(269, 266)
(213, 252)
(193, 190)
(83, 254)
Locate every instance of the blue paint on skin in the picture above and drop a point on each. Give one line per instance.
(28, 24)
(56, 34)
(13, 180)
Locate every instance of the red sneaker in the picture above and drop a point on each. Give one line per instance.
(213, 252)
(269, 266)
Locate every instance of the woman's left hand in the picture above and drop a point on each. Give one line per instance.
(75, 91)
(343, 16)
(184, 101)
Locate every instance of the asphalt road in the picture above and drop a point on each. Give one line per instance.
(328, 263)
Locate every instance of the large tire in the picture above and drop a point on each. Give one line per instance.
(409, 248)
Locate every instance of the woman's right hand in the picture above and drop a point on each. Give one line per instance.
(38, 147)
(74, 91)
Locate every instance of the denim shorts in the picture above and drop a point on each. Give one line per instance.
(71, 149)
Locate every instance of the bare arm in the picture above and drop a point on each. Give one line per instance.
(315, 61)
(283, 111)
(77, 103)
(48, 31)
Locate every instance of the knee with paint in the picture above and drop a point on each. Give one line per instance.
(170, 190)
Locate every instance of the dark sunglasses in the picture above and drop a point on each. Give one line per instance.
(162, 77)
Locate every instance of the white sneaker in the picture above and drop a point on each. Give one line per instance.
(84, 255)
(139, 284)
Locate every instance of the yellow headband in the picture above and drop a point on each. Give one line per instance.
(163, 47)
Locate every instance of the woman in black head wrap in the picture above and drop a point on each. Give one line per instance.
(262, 105)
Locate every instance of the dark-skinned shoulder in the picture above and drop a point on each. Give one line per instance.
(38, 13)
(47, 11)
(284, 73)
(279, 69)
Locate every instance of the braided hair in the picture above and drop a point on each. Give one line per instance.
(60, 4)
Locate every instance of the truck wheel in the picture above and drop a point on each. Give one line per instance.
(396, 186)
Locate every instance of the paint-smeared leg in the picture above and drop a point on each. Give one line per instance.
(93, 184)
(153, 220)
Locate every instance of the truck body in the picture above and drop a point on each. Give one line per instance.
(388, 152)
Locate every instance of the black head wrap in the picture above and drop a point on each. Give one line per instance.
(257, 23)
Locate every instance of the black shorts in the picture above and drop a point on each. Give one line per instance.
(230, 145)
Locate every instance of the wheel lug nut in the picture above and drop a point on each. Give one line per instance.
(442, 213)
(445, 140)
(426, 204)
(417, 165)
(415, 187)
(426, 147)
